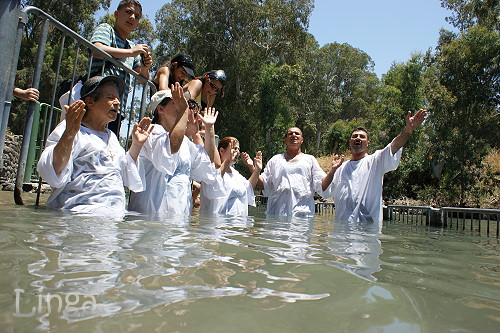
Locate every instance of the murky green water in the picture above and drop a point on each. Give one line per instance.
(253, 275)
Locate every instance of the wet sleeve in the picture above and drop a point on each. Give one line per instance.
(202, 169)
(45, 167)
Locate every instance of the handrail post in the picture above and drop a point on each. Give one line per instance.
(10, 34)
(29, 115)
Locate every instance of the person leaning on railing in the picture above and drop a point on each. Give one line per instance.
(30, 94)
(176, 70)
(113, 40)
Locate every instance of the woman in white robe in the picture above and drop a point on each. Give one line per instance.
(231, 193)
(83, 160)
(169, 160)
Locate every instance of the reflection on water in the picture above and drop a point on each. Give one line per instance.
(258, 274)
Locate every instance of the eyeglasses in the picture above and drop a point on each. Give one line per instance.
(214, 87)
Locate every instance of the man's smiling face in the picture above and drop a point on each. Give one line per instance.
(359, 142)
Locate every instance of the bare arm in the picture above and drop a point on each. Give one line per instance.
(194, 87)
(211, 100)
(336, 162)
(140, 134)
(62, 150)
(30, 94)
(209, 121)
(118, 53)
(411, 124)
(163, 75)
(179, 129)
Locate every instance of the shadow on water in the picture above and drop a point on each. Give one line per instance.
(256, 274)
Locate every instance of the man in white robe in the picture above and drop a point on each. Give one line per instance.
(290, 179)
(83, 160)
(357, 184)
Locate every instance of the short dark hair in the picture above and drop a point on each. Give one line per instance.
(286, 132)
(360, 129)
(125, 3)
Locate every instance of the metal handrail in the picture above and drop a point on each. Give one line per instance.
(49, 20)
(34, 10)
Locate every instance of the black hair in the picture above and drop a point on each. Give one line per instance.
(286, 132)
(125, 3)
(360, 129)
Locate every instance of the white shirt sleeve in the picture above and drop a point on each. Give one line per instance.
(45, 166)
(157, 150)
(202, 169)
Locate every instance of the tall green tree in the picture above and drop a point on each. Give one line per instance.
(239, 36)
(403, 90)
(465, 107)
(469, 13)
(339, 84)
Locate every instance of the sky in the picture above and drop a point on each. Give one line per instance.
(387, 30)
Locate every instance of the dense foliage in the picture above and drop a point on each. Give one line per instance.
(278, 76)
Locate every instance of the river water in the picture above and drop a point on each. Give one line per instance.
(63, 273)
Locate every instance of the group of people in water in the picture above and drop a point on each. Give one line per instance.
(88, 169)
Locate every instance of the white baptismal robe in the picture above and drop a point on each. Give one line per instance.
(357, 186)
(167, 177)
(92, 181)
(290, 186)
(228, 195)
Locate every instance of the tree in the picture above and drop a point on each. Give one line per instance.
(465, 101)
(339, 84)
(403, 91)
(469, 13)
(239, 36)
(78, 16)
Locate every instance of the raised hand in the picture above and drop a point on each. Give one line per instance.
(209, 118)
(140, 134)
(74, 116)
(337, 161)
(416, 120)
(234, 151)
(142, 130)
(192, 124)
(247, 160)
(257, 161)
(178, 97)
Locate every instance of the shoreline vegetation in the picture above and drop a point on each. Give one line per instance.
(279, 76)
